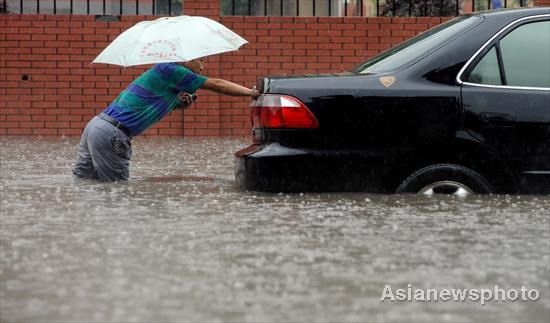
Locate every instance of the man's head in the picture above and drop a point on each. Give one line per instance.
(195, 65)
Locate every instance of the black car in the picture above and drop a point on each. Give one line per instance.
(461, 108)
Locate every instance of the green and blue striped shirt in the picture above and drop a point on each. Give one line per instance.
(152, 95)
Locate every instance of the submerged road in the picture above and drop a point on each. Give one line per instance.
(179, 242)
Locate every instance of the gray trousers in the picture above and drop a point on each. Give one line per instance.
(104, 152)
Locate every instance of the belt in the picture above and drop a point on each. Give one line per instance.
(116, 123)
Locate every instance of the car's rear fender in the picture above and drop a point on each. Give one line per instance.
(274, 168)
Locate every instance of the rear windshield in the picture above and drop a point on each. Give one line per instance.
(417, 47)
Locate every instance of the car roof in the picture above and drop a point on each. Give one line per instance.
(514, 12)
(456, 54)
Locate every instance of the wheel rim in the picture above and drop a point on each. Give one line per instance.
(446, 187)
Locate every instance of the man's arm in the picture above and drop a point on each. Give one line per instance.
(229, 88)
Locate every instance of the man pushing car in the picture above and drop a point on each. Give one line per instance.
(105, 149)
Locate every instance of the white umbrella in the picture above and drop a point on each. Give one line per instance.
(170, 39)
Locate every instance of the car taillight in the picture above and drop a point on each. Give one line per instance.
(281, 111)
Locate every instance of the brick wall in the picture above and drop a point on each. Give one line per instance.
(48, 87)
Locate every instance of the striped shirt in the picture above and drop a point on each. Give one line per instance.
(152, 95)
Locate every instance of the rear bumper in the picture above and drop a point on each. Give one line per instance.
(276, 168)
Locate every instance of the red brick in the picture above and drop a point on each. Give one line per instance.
(58, 124)
(56, 58)
(403, 33)
(18, 37)
(69, 132)
(70, 24)
(306, 59)
(344, 27)
(55, 44)
(403, 20)
(44, 104)
(320, 26)
(120, 24)
(9, 84)
(63, 107)
(93, 37)
(17, 118)
(369, 26)
(70, 118)
(42, 24)
(82, 44)
(58, 17)
(44, 50)
(82, 31)
(69, 37)
(44, 118)
(31, 43)
(44, 91)
(44, 132)
(31, 124)
(74, 51)
(420, 27)
(14, 23)
(9, 124)
(56, 84)
(232, 19)
(19, 131)
(256, 32)
(57, 31)
(79, 125)
(31, 30)
(85, 58)
(305, 46)
(391, 26)
(9, 44)
(84, 98)
(269, 26)
(44, 37)
(107, 31)
(10, 30)
(70, 65)
(70, 91)
(18, 91)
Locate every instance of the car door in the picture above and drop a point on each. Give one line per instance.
(506, 99)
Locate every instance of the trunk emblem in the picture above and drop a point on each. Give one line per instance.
(387, 81)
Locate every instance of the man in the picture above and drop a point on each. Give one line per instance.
(105, 150)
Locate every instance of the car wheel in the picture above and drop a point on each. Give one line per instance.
(445, 179)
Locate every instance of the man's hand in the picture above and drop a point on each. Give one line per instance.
(185, 100)
(255, 93)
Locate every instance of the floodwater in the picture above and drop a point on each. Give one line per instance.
(179, 242)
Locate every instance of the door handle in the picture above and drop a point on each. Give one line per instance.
(498, 119)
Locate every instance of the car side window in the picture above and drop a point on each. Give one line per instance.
(520, 58)
(487, 71)
(526, 55)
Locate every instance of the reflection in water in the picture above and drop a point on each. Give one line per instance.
(179, 242)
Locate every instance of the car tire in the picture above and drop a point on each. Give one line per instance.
(445, 179)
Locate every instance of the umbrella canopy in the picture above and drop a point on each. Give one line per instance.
(170, 39)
